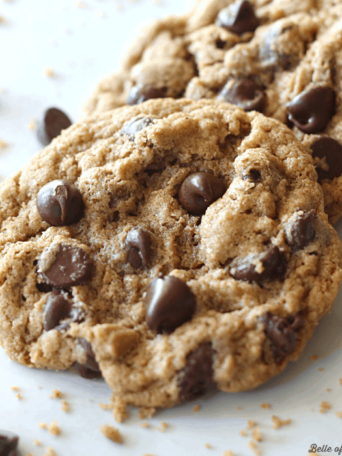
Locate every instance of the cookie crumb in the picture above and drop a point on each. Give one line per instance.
(324, 406)
(56, 394)
(3, 20)
(146, 412)
(81, 4)
(19, 396)
(321, 369)
(207, 445)
(43, 425)
(49, 72)
(278, 423)
(111, 433)
(340, 381)
(29, 454)
(265, 405)
(148, 454)
(256, 435)
(313, 357)
(54, 429)
(239, 408)
(243, 433)
(37, 442)
(196, 408)
(145, 425)
(14, 388)
(163, 426)
(106, 406)
(339, 414)
(251, 424)
(119, 409)
(329, 390)
(3, 144)
(228, 453)
(253, 446)
(32, 124)
(50, 452)
(65, 406)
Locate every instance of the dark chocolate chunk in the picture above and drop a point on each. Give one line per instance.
(331, 150)
(169, 303)
(43, 287)
(301, 231)
(245, 93)
(8, 443)
(51, 125)
(90, 369)
(312, 110)
(238, 17)
(58, 308)
(194, 380)
(199, 191)
(138, 247)
(273, 267)
(72, 266)
(136, 125)
(60, 203)
(281, 332)
(253, 175)
(138, 94)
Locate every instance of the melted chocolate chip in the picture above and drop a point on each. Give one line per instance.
(51, 125)
(273, 267)
(238, 18)
(169, 303)
(85, 372)
(8, 443)
(136, 125)
(138, 248)
(60, 203)
(301, 231)
(281, 332)
(199, 191)
(331, 150)
(138, 94)
(194, 380)
(245, 93)
(58, 308)
(271, 53)
(72, 266)
(312, 110)
(90, 369)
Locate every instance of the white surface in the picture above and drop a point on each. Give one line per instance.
(82, 47)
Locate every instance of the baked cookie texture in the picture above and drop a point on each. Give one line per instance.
(199, 252)
(259, 55)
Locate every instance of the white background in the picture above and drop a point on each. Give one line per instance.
(81, 47)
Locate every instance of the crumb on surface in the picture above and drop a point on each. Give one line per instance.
(111, 433)
(146, 412)
(119, 409)
(19, 396)
(54, 429)
(56, 394)
(163, 426)
(106, 406)
(50, 452)
(339, 414)
(43, 425)
(265, 405)
(145, 425)
(340, 381)
(256, 435)
(3, 144)
(239, 408)
(37, 442)
(329, 390)
(313, 357)
(254, 447)
(251, 424)
(321, 369)
(278, 423)
(3, 20)
(81, 4)
(29, 454)
(49, 72)
(14, 388)
(196, 408)
(228, 453)
(32, 124)
(65, 406)
(324, 406)
(207, 445)
(243, 433)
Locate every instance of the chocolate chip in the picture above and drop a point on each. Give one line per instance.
(281, 332)
(269, 265)
(169, 303)
(199, 191)
(43, 287)
(90, 369)
(311, 110)
(238, 18)
(138, 94)
(194, 380)
(330, 150)
(51, 125)
(60, 203)
(136, 125)
(58, 308)
(253, 175)
(138, 248)
(72, 266)
(272, 51)
(245, 93)
(300, 232)
(8, 443)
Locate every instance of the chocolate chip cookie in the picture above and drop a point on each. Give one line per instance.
(167, 246)
(277, 57)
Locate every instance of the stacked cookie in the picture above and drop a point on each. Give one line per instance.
(182, 243)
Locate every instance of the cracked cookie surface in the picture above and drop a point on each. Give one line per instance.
(272, 56)
(181, 244)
